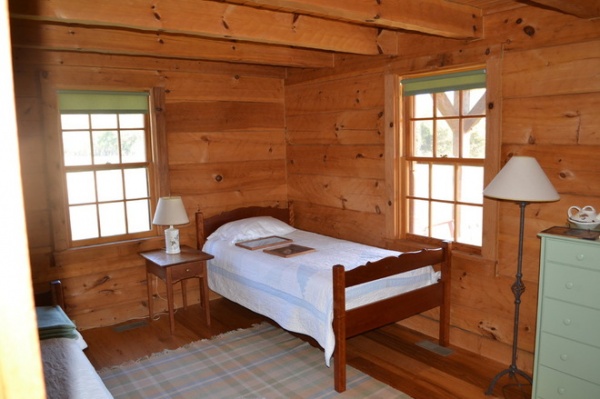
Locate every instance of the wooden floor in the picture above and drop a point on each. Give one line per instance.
(389, 354)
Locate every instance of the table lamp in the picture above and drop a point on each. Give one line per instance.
(170, 211)
(523, 181)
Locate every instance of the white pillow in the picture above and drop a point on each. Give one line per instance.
(250, 229)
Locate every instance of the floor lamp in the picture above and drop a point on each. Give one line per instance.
(523, 181)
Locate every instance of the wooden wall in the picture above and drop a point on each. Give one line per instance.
(241, 135)
(543, 67)
(226, 147)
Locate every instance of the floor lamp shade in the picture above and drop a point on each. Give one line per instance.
(521, 179)
(170, 211)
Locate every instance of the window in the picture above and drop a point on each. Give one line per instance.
(107, 164)
(445, 146)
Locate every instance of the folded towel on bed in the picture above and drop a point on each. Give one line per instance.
(53, 322)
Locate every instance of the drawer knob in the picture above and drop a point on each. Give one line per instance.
(567, 322)
(569, 285)
(580, 256)
(564, 357)
(187, 270)
(561, 390)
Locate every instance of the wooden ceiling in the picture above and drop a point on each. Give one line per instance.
(293, 33)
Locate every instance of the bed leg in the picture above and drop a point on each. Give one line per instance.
(339, 329)
(445, 308)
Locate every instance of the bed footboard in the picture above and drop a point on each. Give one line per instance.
(348, 323)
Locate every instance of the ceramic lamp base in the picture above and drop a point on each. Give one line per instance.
(172, 240)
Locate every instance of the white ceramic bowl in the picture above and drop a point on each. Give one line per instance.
(591, 225)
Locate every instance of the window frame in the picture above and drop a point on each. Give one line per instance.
(396, 167)
(158, 178)
(407, 108)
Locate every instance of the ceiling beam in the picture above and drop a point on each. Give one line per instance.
(588, 9)
(54, 36)
(210, 19)
(435, 17)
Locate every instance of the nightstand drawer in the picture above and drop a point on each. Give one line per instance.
(180, 272)
(572, 253)
(572, 284)
(556, 385)
(570, 357)
(571, 321)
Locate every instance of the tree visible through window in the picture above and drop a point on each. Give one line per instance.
(106, 160)
(445, 150)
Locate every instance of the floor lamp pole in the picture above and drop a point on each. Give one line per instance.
(517, 288)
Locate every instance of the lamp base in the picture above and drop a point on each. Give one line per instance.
(172, 241)
(512, 372)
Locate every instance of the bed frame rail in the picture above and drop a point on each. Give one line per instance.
(348, 323)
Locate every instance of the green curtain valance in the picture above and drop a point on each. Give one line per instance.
(102, 102)
(446, 82)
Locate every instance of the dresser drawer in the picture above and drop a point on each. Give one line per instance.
(570, 357)
(571, 321)
(187, 270)
(572, 284)
(552, 384)
(573, 253)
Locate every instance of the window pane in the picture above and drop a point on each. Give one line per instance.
(447, 104)
(84, 222)
(110, 185)
(474, 102)
(469, 228)
(474, 138)
(423, 104)
(420, 180)
(447, 138)
(138, 216)
(136, 183)
(81, 188)
(133, 146)
(104, 121)
(471, 181)
(442, 220)
(75, 121)
(76, 148)
(106, 147)
(442, 182)
(112, 219)
(131, 121)
(419, 217)
(423, 138)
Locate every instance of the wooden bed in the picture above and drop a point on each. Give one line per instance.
(348, 323)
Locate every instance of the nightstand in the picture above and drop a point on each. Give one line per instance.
(172, 268)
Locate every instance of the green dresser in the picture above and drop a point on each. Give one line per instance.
(567, 352)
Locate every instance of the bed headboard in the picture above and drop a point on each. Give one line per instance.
(206, 226)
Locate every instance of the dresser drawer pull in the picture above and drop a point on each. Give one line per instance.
(564, 357)
(567, 322)
(187, 270)
(580, 256)
(561, 390)
(569, 285)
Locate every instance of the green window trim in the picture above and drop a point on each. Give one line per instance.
(102, 102)
(448, 82)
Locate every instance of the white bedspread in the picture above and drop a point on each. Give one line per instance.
(68, 372)
(296, 292)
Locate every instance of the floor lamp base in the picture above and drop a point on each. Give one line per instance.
(512, 371)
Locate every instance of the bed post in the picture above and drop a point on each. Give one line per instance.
(339, 328)
(200, 239)
(446, 266)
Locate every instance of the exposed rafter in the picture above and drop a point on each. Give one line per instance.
(213, 20)
(436, 17)
(588, 9)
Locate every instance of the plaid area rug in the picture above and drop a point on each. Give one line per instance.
(260, 362)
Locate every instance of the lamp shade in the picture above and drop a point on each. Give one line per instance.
(170, 211)
(522, 180)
